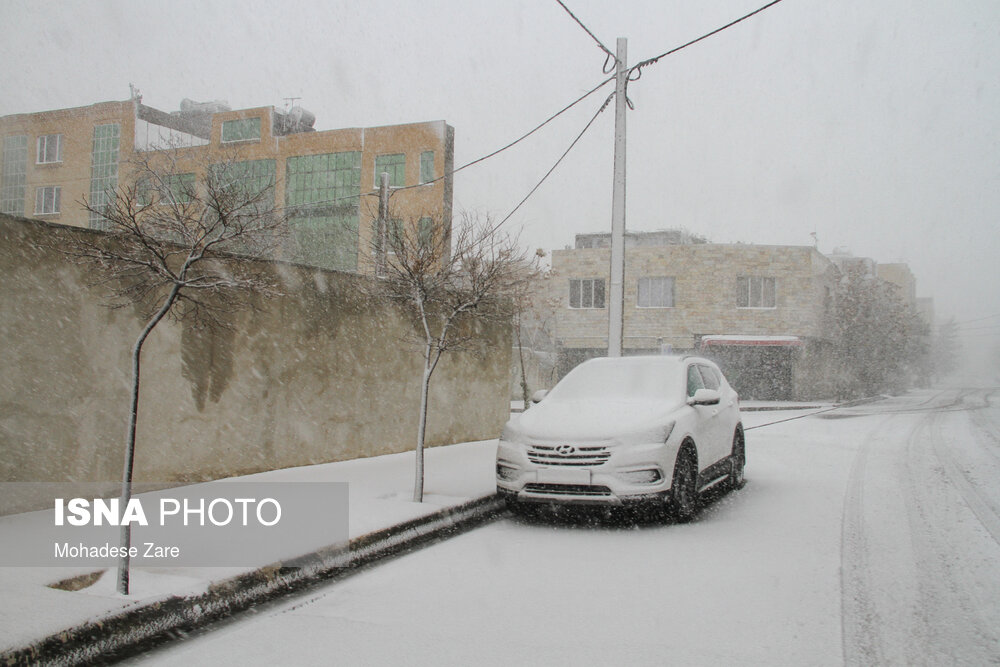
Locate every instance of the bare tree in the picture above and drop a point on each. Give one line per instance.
(446, 281)
(175, 232)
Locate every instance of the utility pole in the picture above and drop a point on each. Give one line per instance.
(382, 225)
(616, 303)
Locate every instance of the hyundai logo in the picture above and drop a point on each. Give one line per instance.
(565, 450)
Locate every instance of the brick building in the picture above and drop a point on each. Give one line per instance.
(52, 160)
(762, 311)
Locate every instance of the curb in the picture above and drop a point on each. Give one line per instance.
(138, 629)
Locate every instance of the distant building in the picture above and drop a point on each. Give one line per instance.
(761, 311)
(765, 313)
(54, 159)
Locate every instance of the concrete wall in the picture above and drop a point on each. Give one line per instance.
(317, 375)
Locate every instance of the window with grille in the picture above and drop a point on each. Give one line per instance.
(243, 129)
(427, 166)
(655, 292)
(395, 166)
(15, 167)
(47, 200)
(103, 170)
(49, 148)
(755, 292)
(586, 293)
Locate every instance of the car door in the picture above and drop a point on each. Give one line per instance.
(718, 436)
(701, 430)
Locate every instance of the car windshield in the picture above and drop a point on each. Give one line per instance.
(628, 379)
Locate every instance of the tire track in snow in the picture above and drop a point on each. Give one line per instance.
(951, 617)
(860, 621)
(974, 499)
(872, 598)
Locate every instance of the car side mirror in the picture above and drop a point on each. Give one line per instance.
(705, 397)
(539, 395)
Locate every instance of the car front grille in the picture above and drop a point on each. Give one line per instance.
(567, 489)
(570, 456)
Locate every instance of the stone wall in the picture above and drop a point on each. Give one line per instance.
(317, 375)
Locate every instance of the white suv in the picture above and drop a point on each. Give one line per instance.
(618, 431)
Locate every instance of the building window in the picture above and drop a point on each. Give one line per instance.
(655, 293)
(49, 148)
(322, 195)
(395, 166)
(243, 129)
(586, 293)
(425, 231)
(426, 167)
(103, 170)
(172, 189)
(47, 200)
(15, 167)
(755, 292)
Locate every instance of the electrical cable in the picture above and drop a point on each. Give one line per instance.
(652, 61)
(610, 56)
(553, 168)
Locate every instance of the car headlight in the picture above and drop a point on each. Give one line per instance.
(658, 434)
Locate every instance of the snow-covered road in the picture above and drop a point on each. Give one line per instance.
(868, 535)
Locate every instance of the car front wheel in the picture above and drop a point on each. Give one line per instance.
(737, 462)
(684, 490)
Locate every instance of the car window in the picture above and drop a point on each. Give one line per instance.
(694, 380)
(710, 377)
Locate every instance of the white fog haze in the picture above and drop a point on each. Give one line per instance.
(291, 212)
(871, 124)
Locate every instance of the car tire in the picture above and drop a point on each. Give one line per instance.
(684, 489)
(737, 461)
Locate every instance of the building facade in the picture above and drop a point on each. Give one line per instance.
(763, 312)
(326, 181)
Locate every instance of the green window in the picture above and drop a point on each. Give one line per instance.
(175, 189)
(427, 166)
(395, 166)
(103, 170)
(425, 231)
(322, 195)
(15, 166)
(243, 129)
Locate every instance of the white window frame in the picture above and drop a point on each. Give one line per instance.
(44, 144)
(48, 200)
(756, 292)
(586, 293)
(660, 282)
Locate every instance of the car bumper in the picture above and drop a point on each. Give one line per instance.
(633, 474)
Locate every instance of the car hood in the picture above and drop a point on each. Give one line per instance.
(591, 419)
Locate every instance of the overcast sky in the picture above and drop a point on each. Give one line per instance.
(875, 125)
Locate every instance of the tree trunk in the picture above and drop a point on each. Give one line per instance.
(126, 494)
(418, 483)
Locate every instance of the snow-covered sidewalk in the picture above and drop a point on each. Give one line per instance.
(380, 497)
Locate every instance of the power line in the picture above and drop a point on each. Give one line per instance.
(610, 56)
(519, 139)
(652, 61)
(553, 168)
(978, 319)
